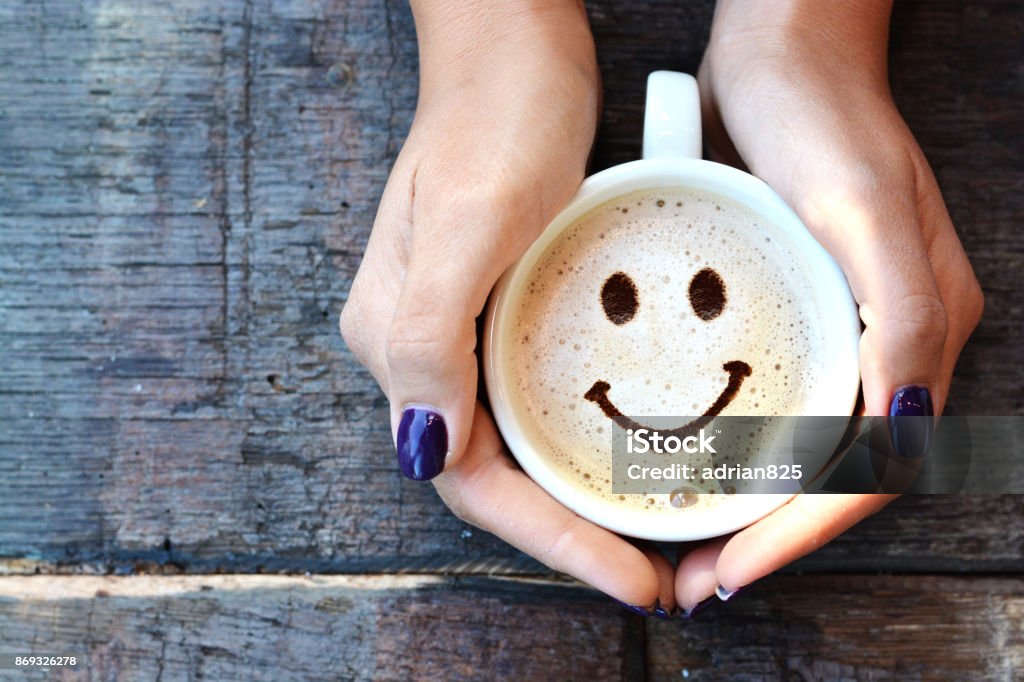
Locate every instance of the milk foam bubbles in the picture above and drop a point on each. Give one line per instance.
(649, 297)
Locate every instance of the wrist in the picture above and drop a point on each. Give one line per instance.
(837, 39)
(463, 40)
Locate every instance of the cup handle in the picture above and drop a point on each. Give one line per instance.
(672, 117)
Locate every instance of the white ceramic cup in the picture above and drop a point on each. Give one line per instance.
(671, 158)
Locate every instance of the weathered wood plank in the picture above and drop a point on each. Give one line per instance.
(185, 191)
(915, 534)
(266, 627)
(857, 627)
(277, 628)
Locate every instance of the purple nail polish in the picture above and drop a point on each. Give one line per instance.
(911, 421)
(687, 614)
(661, 613)
(422, 443)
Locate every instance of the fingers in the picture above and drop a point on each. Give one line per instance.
(875, 234)
(666, 579)
(882, 217)
(488, 491)
(961, 294)
(790, 532)
(472, 188)
(803, 525)
(918, 297)
(431, 366)
(696, 577)
(718, 145)
(853, 172)
(864, 189)
(411, 314)
(460, 247)
(375, 289)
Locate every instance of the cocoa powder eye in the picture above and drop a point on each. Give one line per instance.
(707, 294)
(619, 298)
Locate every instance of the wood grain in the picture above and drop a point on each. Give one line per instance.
(875, 628)
(427, 627)
(185, 192)
(282, 628)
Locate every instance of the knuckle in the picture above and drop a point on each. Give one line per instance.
(351, 325)
(459, 510)
(921, 320)
(347, 323)
(503, 197)
(974, 302)
(413, 340)
(453, 495)
(554, 554)
(853, 193)
(476, 203)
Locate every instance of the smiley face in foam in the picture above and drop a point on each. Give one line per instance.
(669, 302)
(620, 300)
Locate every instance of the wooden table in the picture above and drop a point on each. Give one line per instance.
(197, 480)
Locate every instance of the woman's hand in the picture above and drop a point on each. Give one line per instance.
(797, 91)
(508, 108)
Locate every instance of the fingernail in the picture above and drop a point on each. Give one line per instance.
(687, 614)
(662, 613)
(644, 611)
(725, 595)
(911, 421)
(422, 443)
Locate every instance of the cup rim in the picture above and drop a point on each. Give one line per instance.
(843, 380)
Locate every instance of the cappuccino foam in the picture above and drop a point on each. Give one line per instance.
(640, 306)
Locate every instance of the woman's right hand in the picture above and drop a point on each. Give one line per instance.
(798, 92)
(508, 108)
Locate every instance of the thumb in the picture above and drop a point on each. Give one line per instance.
(432, 367)
(876, 236)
